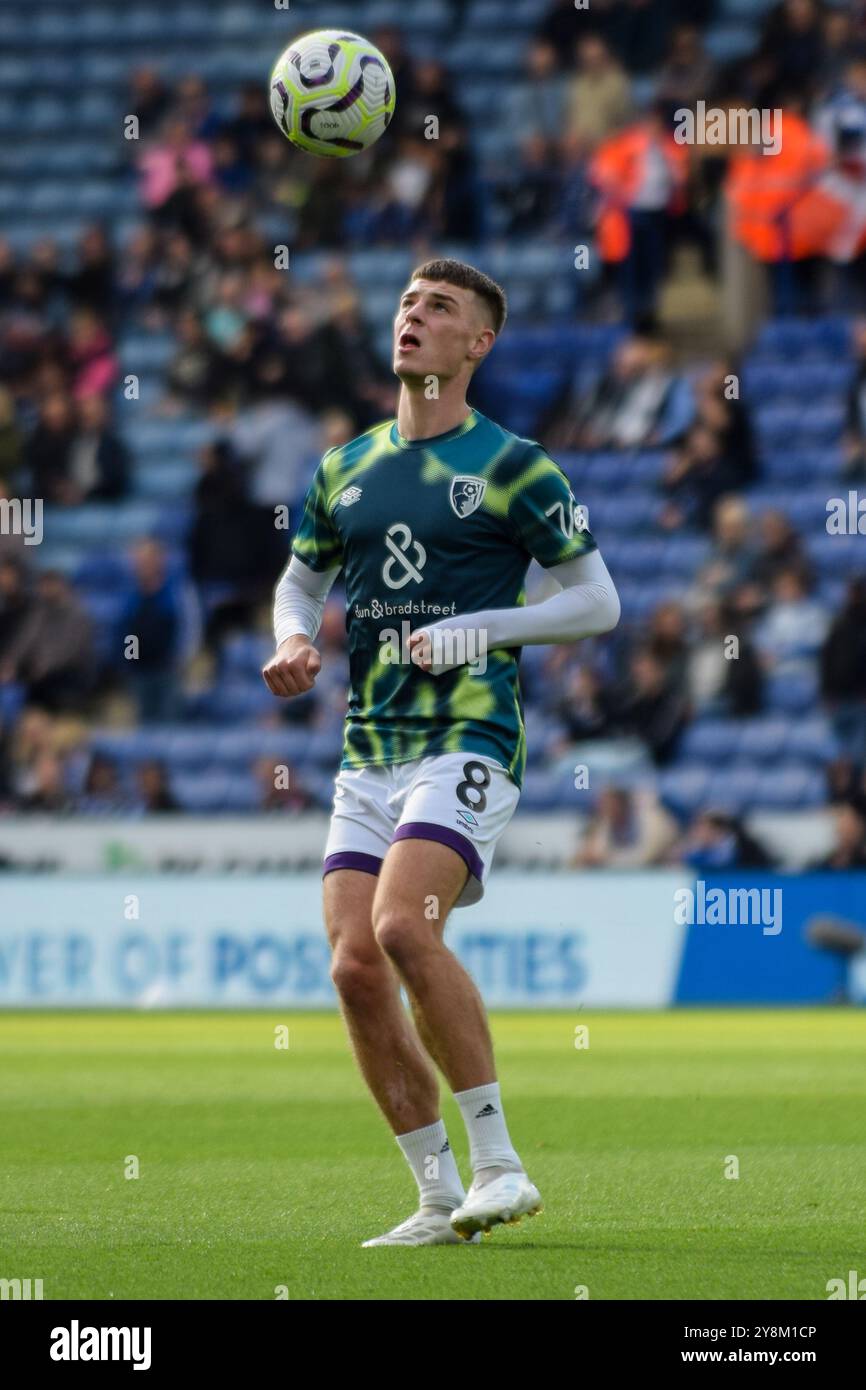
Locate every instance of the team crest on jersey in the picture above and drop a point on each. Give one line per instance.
(349, 496)
(466, 494)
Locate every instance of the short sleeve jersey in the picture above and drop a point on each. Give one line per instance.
(423, 530)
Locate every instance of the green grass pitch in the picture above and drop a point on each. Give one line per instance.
(262, 1168)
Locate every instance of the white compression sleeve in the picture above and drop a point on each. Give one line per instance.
(587, 605)
(299, 599)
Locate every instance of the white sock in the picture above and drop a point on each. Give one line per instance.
(489, 1142)
(429, 1155)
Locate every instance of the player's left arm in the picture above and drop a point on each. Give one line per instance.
(545, 521)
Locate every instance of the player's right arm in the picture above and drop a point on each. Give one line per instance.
(300, 594)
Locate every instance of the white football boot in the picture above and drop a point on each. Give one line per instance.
(506, 1199)
(428, 1227)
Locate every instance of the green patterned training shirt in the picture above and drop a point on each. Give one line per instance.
(426, 529)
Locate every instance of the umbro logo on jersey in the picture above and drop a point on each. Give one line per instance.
(466, 493)
(349, 496)
(488, 1110)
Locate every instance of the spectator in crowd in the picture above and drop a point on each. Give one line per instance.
(7, 272)
(843, 673)
(48, 794)
(687, 74)
(628, 829)
(536, 105)
(11, 443)
(599, 95)
(792, 43)
(697, 478)
(281, 789)
(149, 98)
(642, 34)
(48, 449)
(791, 632)
(854, 442)
(177, 276)
(724, 677)
(668, 638)
(190, 375)
(251, 124)
(580, 705)
(777, 205)
(561, 28)
(533, 196)
(192, 104)
(838, 45)
(99, 462)
(47, 277)
(717, 840)
(650, 705)
(91, 355)
(725, 414)
(849, 851)
(235, 547)
(15, 602)
(779, 548)
(91, 284)
(102, 793)
(365, 388)
(640, 174)
(277, 442)
(154, 794)
(390, 41)
(51, 650)
(152, 615)
(732, 560)
(171, 167)
(431, 97)
(639, 401)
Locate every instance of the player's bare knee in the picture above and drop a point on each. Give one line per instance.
(359, 980)
(402, 938)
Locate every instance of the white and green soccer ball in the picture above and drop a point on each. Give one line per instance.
(332, 93)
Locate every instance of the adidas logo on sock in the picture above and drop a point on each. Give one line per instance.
(445, 1147)
(488, 1110)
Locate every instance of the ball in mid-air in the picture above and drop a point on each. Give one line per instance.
(332, 93)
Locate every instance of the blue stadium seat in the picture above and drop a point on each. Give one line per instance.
(733, 789)
(792, 694)
(764, 739)
(683, 789)
(789, 789)
(710, 741)
(811, 739)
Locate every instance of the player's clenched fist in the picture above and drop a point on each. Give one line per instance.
(293, 668)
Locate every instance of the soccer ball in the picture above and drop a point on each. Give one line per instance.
(332, 93)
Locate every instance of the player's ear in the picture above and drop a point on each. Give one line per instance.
(483, 343)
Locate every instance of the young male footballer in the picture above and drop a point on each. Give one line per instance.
(433, 517)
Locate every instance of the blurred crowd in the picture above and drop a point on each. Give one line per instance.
(284, 371)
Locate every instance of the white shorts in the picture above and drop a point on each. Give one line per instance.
(464, 800)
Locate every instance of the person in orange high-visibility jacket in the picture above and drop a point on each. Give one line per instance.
(640, 176)
(779, 210)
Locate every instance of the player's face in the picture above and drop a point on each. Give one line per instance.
(437, 329)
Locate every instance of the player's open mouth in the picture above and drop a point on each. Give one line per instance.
(407, 340)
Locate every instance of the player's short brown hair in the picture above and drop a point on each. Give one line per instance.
(466, 277)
